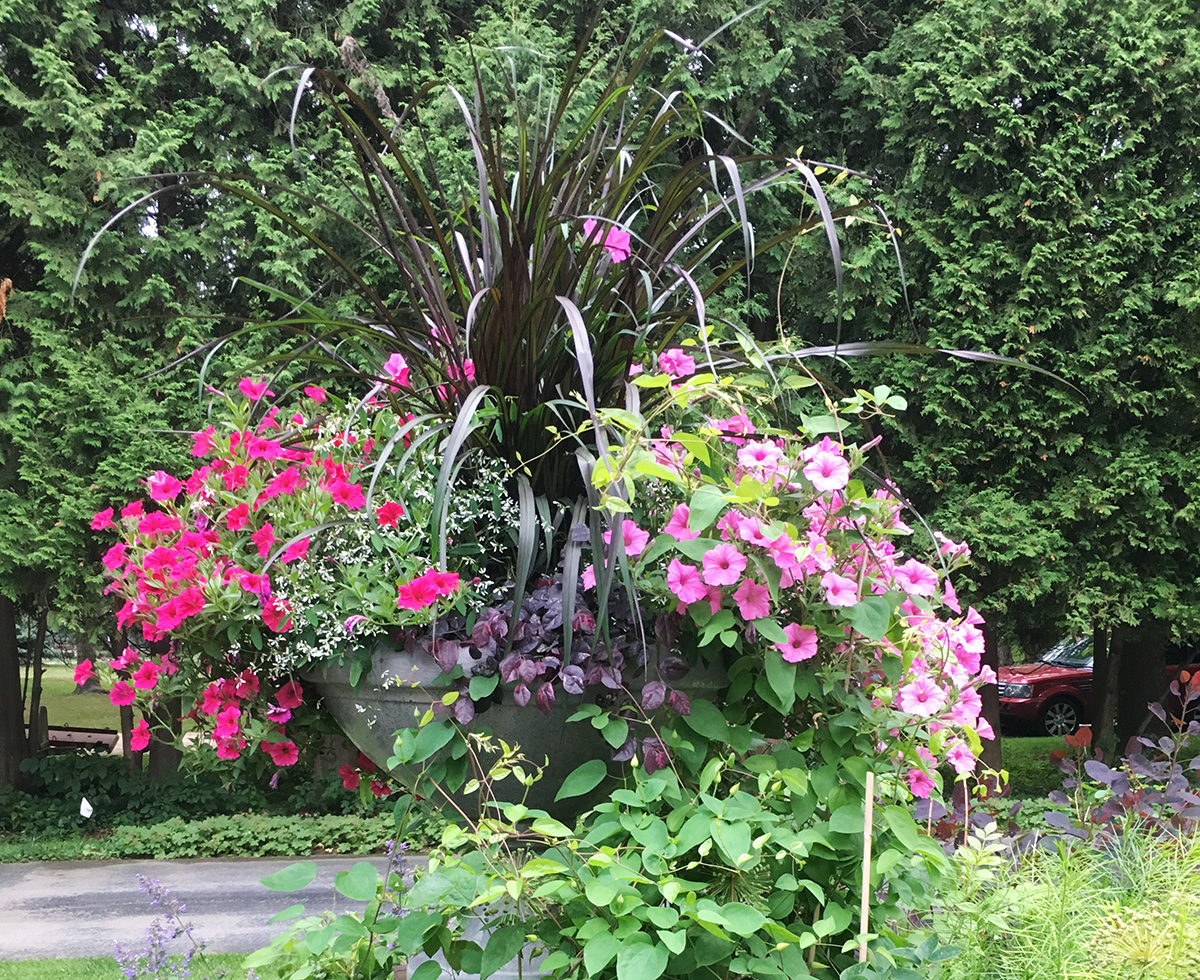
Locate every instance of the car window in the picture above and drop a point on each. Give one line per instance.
(1070, 653)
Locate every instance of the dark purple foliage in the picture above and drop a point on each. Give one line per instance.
(653, 696)
(654, 755)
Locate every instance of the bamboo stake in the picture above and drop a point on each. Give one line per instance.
(868, 829)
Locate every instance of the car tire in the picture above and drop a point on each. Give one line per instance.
(1060, 716)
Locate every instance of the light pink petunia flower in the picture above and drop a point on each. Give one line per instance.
(684, 580)
(753, 600)
(839, 590)
(801, 643)
(827, 471)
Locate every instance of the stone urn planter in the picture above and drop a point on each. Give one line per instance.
(401, 686)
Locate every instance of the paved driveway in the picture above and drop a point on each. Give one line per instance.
(65, 909)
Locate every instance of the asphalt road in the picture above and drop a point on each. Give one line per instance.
(60, 909)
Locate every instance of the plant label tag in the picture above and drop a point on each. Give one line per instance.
(85, 808)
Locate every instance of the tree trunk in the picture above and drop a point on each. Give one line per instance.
(1142, 677)
(13, 747)
(1106, 675)
(990, 695)
(165, 728)
(37, 656)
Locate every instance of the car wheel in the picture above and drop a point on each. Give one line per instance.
(1060, 716)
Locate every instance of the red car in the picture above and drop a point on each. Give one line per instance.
(1052, 695)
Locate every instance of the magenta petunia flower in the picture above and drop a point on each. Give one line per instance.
(103, 519)
(316, 393)
(295, 550)
(202, 442)
(146, 676)
(84, 672)
(236, 519)
(417, 594)
(723, 565)
(290, 695)
(282, 753)
(122, 694)
(616, 241)
(263, 538)
(254, 390)
(277, 615)
(139, 737)
(753, 600)
(801, 643)
(349, 495)
(396, 369)
(676, 363)
(227, 722)
(389, 514)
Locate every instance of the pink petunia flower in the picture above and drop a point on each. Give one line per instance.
(277, 615)
(139, 737)
(202, 442)
(102, 519)
(236, 519)
(163, 486)
(753, 600)
(839, 590)
(349, 495)
(760, 456)
(84, 672)
(633, 538)
(920, 783)
(229, 748)
(723, 565)
(827, 471)
(316, 393)
(801, 643)
(916, 578)
(684, 580)
(227, 722)
(961, 758)
(677, 526)
(921, 697)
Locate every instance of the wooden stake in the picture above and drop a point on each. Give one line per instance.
(868, 829)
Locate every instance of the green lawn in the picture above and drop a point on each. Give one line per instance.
(65, 707)
(1030, 770)
(105, 968)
